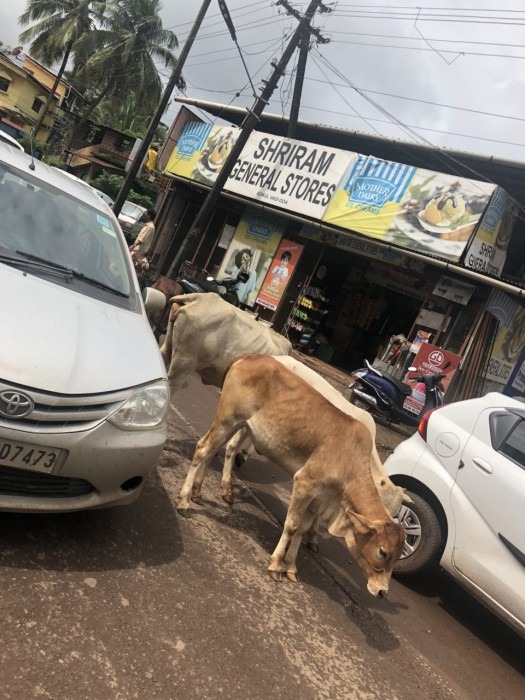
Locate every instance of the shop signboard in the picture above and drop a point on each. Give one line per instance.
(376, 252)
(454, 290)
(201, 151)
(412, 208)
(252, 250)
(429, 360)
(279, 274)
(294, 175)
(487, 252)
(507, 348)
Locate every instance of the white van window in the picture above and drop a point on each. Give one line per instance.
(42, 221)
(134, 211)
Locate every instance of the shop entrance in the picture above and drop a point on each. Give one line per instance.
(352, 306)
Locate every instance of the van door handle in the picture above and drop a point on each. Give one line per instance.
(484, 466)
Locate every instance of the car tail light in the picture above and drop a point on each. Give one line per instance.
(423, 423)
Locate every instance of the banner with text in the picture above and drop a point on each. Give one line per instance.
(429, 360)
(487, 253)
(279, 274)
(417, 209)
(251, 250)
(294, 175)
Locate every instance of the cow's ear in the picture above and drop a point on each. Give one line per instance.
(340, 525)
(406, 498)
(360, 524)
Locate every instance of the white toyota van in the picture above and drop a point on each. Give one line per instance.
(83, 388)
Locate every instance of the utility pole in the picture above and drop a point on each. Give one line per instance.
(247, 126)
(304, 48)
(172, 82)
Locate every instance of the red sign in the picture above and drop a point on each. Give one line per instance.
(279, 274)
(430, 360)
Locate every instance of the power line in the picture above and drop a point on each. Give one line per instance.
(422, 48)
(421, 140)
(427, 102)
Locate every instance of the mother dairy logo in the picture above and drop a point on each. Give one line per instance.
(374, 182)
(192, 139)
(262, 227)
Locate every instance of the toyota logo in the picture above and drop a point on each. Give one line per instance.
(13, 404)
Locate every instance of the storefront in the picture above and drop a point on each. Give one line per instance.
(355, 252)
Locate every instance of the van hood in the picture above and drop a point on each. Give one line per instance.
(56, 339)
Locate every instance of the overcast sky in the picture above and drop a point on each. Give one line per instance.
(453, 71)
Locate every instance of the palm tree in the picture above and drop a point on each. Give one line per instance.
(58, 25)
(129, 42)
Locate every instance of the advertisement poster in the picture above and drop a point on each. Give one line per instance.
(516, 383)
(201, 151)
(454, 290)
(487, 252)
(252, 250)
(428, 360)
(294, 175)
(417, 209)
(421, 337)
(279, 274)
(507, 349)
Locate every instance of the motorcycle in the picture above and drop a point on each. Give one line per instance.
(384, 395)
(226, 288)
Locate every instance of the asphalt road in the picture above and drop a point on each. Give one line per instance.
(139, 602)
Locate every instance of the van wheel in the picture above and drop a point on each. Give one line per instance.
(424, 534)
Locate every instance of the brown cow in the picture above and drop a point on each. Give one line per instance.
(328, 452)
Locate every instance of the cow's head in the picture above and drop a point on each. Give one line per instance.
(376, 545)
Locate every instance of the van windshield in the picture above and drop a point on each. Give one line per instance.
(134, 211)
(49, 224)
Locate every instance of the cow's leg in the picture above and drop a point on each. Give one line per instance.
(232, 451)
(309, 523)
(302, 496)
(206, 449)
(312, 535)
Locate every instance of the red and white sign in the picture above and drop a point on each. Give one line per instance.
(430, 360)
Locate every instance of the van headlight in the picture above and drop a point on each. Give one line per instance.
(147, 408)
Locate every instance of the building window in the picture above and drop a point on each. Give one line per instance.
(4, 84)
(37, 104)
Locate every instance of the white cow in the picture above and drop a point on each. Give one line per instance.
(205, 334)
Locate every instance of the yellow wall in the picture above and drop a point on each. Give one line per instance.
(20, 97)
(39, 73)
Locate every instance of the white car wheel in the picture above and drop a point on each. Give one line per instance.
(424, 537)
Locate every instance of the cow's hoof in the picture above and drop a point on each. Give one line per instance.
(276, 575)
(197, 500)
(313, 547)
(292, 576)
(185, 512)
(227, 499)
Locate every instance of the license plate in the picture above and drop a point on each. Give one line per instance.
(23, 455)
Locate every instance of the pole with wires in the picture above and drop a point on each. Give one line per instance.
(247, 126)
(175, 79)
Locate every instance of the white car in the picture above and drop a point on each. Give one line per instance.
(10, 141)
(465, 471)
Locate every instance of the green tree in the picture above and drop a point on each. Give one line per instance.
(58, 25)
(121, 55)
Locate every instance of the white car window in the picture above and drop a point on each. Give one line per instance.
(39, 220)
(134, 211)
(514, 445)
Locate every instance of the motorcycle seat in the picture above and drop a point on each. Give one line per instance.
(404, 389)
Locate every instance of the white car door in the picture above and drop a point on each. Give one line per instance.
(488, 501)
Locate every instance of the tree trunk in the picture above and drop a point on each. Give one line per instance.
(58, 78)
